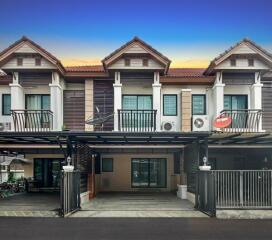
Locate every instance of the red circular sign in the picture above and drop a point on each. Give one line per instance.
(222, 121)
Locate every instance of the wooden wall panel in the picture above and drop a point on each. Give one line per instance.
(74, 109)
(267, 104)
(30, 79)
(238, 78)
(103, 99)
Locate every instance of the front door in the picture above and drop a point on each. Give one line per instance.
(148, 172)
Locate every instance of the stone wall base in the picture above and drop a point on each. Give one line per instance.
(84, 197)
(191, 197)
(244, 214)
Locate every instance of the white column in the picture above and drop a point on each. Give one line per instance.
(256, 95)
(157, 99)
(56, 101)
(17, 95)
(218, 94)
(117, 86)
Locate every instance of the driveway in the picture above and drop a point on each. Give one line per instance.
(30, 205)
(143, 228)
(138, 204)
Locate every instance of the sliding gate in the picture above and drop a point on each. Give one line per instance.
(70, 192)
(233, 189)
(205, 192)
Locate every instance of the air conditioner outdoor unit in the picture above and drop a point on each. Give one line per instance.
(169, 126)
(5, 126)
(201, 123)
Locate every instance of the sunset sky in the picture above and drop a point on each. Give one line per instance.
(190, 33)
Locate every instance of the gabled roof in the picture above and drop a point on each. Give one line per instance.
(159, 56)
(90, 68)
(186, 72)
(228, 52)
(47, 55)
(188, 76)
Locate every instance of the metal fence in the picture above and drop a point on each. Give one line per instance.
(70, 192)
(243, 120)
(249, 189)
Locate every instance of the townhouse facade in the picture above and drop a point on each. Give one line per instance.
(147, 126)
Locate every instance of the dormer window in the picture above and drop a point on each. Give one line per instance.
(38, 61)
(233, 62)
(145, 62)
(19, 61)
(127, 62)
(250, 62)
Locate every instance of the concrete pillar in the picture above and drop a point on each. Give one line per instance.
(117, 87)
(56, 101)
(157, 99)
(218, 95)
(17, 95)
(89, 113)
(186, 110)
(256, 96)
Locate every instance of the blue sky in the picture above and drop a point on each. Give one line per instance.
(190, 33)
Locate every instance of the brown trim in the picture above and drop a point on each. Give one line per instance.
(10, 50)
(87, 74)
(246, 41)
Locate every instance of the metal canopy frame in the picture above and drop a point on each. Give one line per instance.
(101, 138)
(240, 139)
(121, 139)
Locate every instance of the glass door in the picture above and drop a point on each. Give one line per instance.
(134, 117)
(149, 172)
(157, 173)
(237, 106)
(37, 119)
(140, 173)
(47, 171)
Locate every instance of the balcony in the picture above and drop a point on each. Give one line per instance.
(137, 120)
(244, 121)
(32, 120)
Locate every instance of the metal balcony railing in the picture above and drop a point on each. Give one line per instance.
(243, 120)
(137, 120)
(32, 120)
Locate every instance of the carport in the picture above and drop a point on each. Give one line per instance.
(83, 146)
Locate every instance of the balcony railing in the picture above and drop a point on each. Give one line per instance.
(244, 120)
(137, 120)
(32, 120)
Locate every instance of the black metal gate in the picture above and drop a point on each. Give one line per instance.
(70, 192)
(205, 192)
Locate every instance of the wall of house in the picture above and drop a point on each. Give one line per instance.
(120, 178)
(176, 89)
